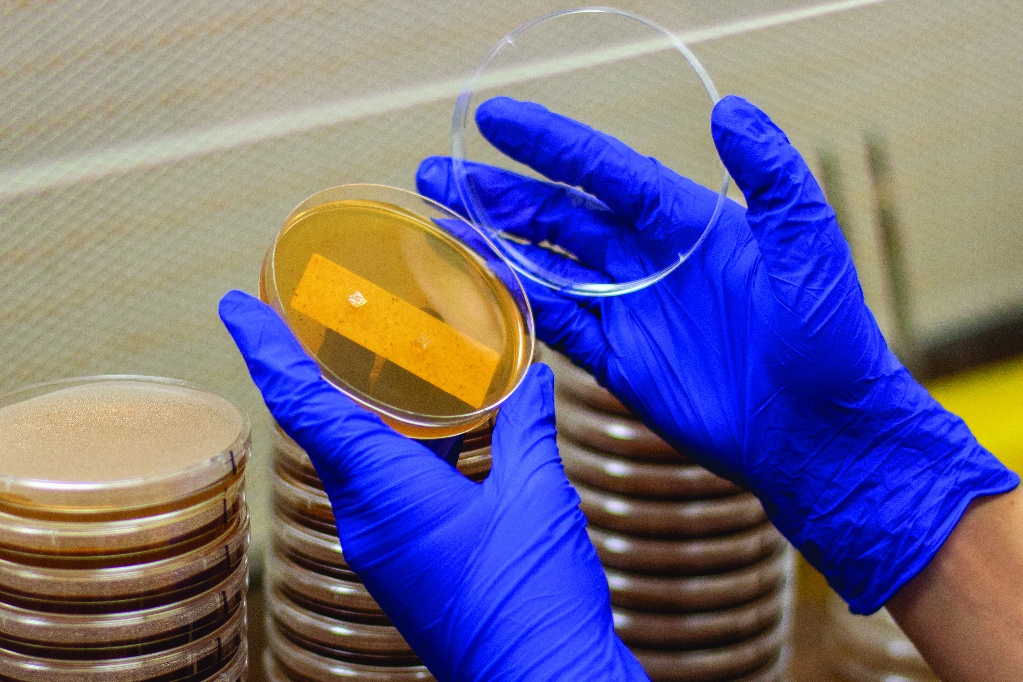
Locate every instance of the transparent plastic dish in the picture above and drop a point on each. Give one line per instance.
(354, 637)
(408, 309)
(161, 532)
(113, 629)
(116, 447)
(318, 588)
(616, 72)
(70, 585)
(300, 540)
(189, 661)
(309, 664)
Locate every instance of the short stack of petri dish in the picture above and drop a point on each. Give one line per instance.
(322, 624)
(123, 532)
(700, 580)
(870, 648)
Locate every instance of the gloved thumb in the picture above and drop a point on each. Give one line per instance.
(343, 440)
(524, 435)
(802, 247)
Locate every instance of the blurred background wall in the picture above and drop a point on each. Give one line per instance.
(149, 152)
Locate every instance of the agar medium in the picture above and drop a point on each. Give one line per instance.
(406, 308)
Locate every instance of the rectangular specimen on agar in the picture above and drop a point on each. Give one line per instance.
(396, 330)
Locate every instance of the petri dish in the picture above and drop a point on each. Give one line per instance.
(111, 629)
(320, 588)
(116, 447)
(680, 481)
(300, 497)
(616, 434)
(685, 594)
(566, 61)
(299, 540)
(712, 664)
(162, 531)
(670, 519)
(237, 668)
(75, 587)
(407, 308)
(685, 557)
(697, 630)
(193, 660)
(297, 662)
(336, 635)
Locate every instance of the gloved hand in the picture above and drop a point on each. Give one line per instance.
(486, 581)
(757, 356)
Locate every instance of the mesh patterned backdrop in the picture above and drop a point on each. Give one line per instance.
(149, 152)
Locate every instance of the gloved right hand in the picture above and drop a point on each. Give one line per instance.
(758, 355)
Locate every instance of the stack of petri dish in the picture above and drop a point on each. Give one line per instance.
(321, 622)
(123, 532)
(700, 580)
(870, 648)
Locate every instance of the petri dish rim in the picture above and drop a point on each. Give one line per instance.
(422, 424)
(123, 582)
(478, 216)
(140, 625)
(69, 496)
(229, 636)
(49, 537)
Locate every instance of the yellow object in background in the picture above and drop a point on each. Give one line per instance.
(990, 401)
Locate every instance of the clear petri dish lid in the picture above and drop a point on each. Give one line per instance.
(88, 589)
(406, 308)
(116, 447)
(161, 532)
(620, 74)
(308, 664)
(214, 605)
(194, 660)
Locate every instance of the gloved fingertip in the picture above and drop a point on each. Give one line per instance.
(752, 147)
(433, 171)
(532, 401)
(233, 302)
(499, 109)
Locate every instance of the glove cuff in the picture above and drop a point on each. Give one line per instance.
(884, 514)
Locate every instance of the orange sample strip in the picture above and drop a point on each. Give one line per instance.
(394, 329)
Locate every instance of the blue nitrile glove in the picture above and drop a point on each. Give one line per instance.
(757, 355)
(486, 581)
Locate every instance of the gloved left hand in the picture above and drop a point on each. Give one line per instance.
(492, 580)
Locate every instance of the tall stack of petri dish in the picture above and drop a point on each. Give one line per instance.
(700, 580)
(123, 532)
(870, 648)
(322, 624)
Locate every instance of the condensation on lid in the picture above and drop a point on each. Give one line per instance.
(109, 442)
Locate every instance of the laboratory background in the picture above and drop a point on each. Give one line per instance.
(150, 152)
